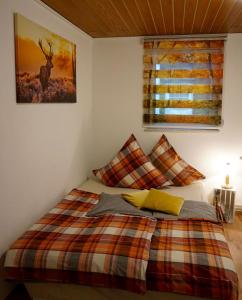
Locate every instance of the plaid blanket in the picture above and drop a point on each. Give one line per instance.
(191, 257)
(184, 256)
(66, 246)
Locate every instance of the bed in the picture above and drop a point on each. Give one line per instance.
(181, 259)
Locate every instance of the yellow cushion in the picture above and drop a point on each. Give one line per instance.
(137, 199)
(162, 201)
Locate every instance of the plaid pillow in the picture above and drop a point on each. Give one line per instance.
(165, 158)
(131, 168)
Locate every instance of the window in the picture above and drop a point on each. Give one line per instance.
(183, 83)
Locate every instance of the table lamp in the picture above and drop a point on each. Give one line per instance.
(227, 179)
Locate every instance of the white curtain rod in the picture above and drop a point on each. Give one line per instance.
(186, 37)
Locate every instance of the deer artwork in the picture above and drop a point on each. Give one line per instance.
(44, 73)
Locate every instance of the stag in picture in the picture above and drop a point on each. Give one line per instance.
(45, 65)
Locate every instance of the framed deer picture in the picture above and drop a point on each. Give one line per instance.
(45, 64)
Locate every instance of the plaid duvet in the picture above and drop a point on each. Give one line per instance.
(191, 257)
(184, 256)
(66, 246)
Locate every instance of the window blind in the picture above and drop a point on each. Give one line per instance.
(183, 82)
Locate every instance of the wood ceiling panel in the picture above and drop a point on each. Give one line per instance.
(222, 15)
(72, 12)
(211, 14)
(179, 16)
(110, 18)
(134, 13)
(146, 14)
(189, 14)
(203, 9)
(107, 12)
(167, 8)
(158, 16)
(237, 25)
(125, 14)
(233, 19)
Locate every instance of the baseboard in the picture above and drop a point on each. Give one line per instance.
(238, 208)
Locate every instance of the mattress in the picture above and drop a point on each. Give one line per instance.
(194, 191)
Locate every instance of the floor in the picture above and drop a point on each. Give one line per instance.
(233, 233)
(19, 293)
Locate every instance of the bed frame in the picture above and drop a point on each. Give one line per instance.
(60, 291)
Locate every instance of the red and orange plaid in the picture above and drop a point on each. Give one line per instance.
(131, 168)
(65, 246)
(165, 158)
(188, 257)
(191, 257)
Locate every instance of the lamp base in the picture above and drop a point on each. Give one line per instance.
(225, 186)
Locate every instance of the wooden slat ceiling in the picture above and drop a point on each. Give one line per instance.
(120, 18)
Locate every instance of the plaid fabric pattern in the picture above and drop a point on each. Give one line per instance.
(131, 168)
(188, 257)
(166, 159)
(191, 257)
(67, 246)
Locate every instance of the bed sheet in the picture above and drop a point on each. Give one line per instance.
(194, 191)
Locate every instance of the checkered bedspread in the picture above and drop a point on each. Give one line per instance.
(191, 257)
(184, 256)
(66, 246)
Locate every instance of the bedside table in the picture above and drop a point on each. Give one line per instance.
(225, 199)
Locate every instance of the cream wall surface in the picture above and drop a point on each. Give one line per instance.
(47, 149)
(44, 147)
(117, 112)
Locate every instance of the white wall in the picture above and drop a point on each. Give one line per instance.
(117, 96)
(44, 147)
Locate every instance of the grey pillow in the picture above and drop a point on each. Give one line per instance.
(192, 209)
(113, 204)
